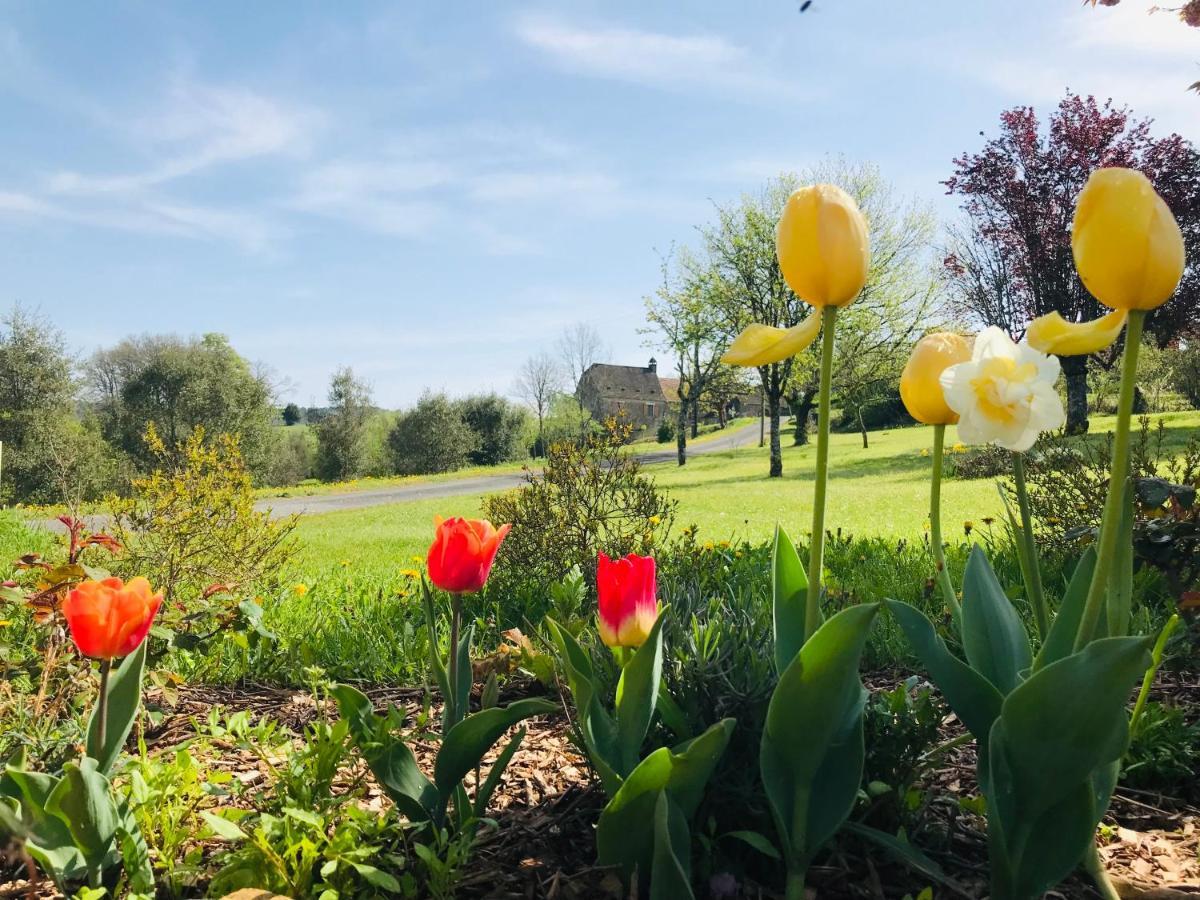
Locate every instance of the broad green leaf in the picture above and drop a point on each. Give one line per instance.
(994, 639)
(637, 694)
(124, 700)
(222, 827)
(483, 794)
(1120, 582)
(596, 726)
(973, 698)
(377, 877)
(48, 839)
(625, 832)
(437, 667)
(670, 869)
(135, 855)
(391, 760)
(811, 750)
(1052, 752)
(1060, 642)
(82, 799)
(467, 742)
(789, 589)
(757, 840)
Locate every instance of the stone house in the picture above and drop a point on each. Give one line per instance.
(635, 391)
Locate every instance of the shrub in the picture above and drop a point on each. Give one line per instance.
(293, 456)
(291, 414)
(591, 496)
(340, 434)
(1185, 373)
(666, 431)
(985, 461)
(1164, 753)
(432, 437)
(191, 528)
(499, 428)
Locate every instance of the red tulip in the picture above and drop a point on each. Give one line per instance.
(628, 599)
(109, 619)
(462, 553)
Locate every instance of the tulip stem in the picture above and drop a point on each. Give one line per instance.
(935, 526)
(1114, 501)
(1030, 564)
(455, 624)
(816, 549)
(102, 705)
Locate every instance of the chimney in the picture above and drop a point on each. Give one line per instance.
(653, 367)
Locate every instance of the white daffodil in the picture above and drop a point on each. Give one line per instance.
(1005, 395)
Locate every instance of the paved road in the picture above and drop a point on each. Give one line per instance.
(484, 484)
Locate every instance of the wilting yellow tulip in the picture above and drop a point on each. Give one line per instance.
(1052, 333)
(823, 247)
(1128, 247)
(761, 345)
(920, 385)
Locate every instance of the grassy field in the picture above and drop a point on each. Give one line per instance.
(881, 491)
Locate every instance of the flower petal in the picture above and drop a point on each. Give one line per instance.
(1052, 333)
(761, 345)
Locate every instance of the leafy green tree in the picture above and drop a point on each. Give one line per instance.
(341, 444)
(432, 437)
(499, 426)
(178, 385)
(291, 414)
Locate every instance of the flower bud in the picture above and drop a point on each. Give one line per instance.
(920, 385)
(823, 246)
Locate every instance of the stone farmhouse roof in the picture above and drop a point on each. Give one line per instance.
(625, 382)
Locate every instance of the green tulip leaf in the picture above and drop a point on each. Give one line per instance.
(596, 727)
(135, 855)
(973, 698)
(391, 761)
(82, 799)
(1060, 642)
(670, 877)
(124, 701)
(48, 839)
(625, 832)
(1052, 754)
(904, 852)
(467, 742)
(789, 591)
(994, 639)
(637, 694)
(811, 752)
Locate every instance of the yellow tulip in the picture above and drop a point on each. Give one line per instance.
(761, 345)
(1052, 333)
(920, 384)
(823, 247)
(1128, 247)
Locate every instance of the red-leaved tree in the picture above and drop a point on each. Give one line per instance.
(1019, 194)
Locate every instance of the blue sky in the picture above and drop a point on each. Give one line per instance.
(431, 192)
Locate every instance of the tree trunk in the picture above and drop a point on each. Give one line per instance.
(803, 407)
(695, 419)
(776, 450)
(681, 434)
(1140, 406)
(862, 427)
(1075, 371)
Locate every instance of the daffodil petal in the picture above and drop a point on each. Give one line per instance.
(761, 345)
(1052, 333)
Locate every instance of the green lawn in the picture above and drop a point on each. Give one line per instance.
(883, 491)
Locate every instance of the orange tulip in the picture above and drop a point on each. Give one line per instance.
(462, 553)
(109, 619)
(920, 388)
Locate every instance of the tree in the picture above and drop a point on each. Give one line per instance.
(178, 385)
(291, 414)
(538, 382)
(580, 347)
(432, 437)
(340, 434)
(693, 328)
(36, 394)
(499, 428)
(1019, 194)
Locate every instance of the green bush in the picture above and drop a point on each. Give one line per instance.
(1185, 373)
(499, 428)
(432, 437)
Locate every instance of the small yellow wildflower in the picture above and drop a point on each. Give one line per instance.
(345, 562)
(968, 526)
(410, 573)
(959, 447)
(924, 451)
(724, 545)
(300, 589)
(419, 560)
(655, 520)
(708, 545)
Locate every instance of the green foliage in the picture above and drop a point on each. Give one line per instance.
(291, 415)
(1164, 753)
(900, 727)
(499, 426)
(292, 457)
(432, 437)
(666, 432)
(341, 433)
(1185, 375)
(590, 497)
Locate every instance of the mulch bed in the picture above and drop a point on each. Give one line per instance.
(548, 804)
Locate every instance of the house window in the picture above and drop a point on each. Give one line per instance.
(649, 409)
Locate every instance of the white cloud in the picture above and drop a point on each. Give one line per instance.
(652, 58)
(199, 127)
(1131, 26)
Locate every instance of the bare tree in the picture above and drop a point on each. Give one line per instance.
(580, 347)
(539, 380)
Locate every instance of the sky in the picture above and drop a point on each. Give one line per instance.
(430, 193)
